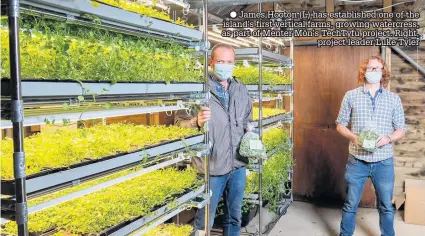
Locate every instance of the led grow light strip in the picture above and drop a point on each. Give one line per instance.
(221, 40)
(158, 4)
(210, 33)
(90, 115)
(177, 2)
(215, 29)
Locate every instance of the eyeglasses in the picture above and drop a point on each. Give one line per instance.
(370, 68)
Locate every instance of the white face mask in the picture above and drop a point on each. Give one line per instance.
(373, 77)
(224, 71)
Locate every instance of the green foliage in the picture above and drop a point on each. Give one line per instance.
(250, 75)
(275, 173)
(62, 148)
(274, 138)
(66, 191)
(57, 50)
(267, 112)
(170, 230)
(93, 213)
(142, 10)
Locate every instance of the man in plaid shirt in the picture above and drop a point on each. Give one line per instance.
(371, 103)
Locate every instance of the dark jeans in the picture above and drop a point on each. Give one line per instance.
(231, 186)
(382, 176)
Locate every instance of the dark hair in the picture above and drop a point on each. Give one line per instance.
(220, 45)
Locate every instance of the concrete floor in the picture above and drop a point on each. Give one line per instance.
(305, 219)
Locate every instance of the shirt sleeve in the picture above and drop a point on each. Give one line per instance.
(248, 114)
(345, 111)
(399, 121)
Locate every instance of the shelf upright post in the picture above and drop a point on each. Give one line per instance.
(21, 211)
(292, 111)
(206, 125)
(260, 122)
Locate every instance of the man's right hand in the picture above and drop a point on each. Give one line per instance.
(355, 139)
(204, 115)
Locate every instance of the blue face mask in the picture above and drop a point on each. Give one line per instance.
(223, 71)
(373, 77)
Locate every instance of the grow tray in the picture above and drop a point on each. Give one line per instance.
(56, 177)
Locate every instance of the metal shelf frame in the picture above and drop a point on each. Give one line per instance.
(112, 18)
(264, 56)
(283, 118)
(284, 88)
(252, 55)
(117, 112)
(89, 115)
(69, 175)
(192, 203)
(160, 215)
(39, 89)
(256, 167)
(179, 157)
(65, 90)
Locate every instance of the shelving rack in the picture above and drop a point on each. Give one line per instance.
(260, 56)
(286, 198)
(18, 94)
(57, 178)
(112, 18)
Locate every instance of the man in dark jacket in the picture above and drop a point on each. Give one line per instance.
(229, 112)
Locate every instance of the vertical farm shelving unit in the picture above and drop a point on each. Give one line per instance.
(20, 97)
(29, 102)
(272, 61)
(265, 124)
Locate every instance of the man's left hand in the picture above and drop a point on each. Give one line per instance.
(382, 141)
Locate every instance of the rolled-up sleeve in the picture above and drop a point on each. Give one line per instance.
(248, 115)
(345, 111)
(182, 118)
(399, 121)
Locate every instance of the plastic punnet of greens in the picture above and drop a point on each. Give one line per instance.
(368, 135)
(247, 150)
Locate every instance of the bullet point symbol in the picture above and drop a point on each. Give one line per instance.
(233, 14)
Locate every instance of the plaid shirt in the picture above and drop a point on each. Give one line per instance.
(385, 109)
(223, 94)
